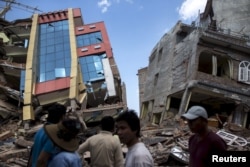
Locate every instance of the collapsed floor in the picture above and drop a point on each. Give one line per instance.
(168, 142)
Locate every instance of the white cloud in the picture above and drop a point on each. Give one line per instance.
(190, 9)
(104, 4)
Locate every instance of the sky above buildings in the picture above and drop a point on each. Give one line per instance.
(134, 27)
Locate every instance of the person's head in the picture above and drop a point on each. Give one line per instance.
(108, 123)
(128, 127)
(197, 119)
(64, 134)
(56, 112)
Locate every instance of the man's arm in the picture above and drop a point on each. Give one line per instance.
(83, 147)
(43, 159)
(119, 161)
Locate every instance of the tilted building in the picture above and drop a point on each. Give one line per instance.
(56, 57)
(206, 63)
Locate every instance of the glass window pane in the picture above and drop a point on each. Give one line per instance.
(42, 77)
(84, 68)
(50, 49)
(91, 67)
(50, 75)
(60, 72)
(42, 58)
(86, 42)
(50, 66)
(60, 63)
(98, 65)
(42, 68)
(92, 75)
(59, 47)
(67, 62)
(67, 72)
(89, 59)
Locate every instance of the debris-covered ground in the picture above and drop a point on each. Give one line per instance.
(168, 143)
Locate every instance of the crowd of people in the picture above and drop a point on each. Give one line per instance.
(57, 144)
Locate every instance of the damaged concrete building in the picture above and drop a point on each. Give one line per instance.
(206, 63)
(57, 58)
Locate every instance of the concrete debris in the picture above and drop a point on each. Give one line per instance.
(168, 145)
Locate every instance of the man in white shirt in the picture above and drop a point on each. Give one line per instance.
(128, 130)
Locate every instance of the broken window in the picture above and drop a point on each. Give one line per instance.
(205, 63)
(144, 112)
(244, 72)
(215, 65)
(157, 118)
(156, 79)
(159, 55)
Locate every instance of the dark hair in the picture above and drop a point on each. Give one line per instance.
(55, 113)
(71, 128)
(132, 119)
(108, 123)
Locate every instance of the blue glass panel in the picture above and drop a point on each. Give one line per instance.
(58, 34)
(66, 46)
(79, 43)
(91, 67)
(50, 49)
(50, 66)
(60, 63)
(59, 47)
(42, 43)
(98, 66)
(84, 68)
(50, 41)
(50, 75)
(58, 27)
(93, 75)
(96, 58)
(67, 62)
(42, 68)
(82, 60)
(42, 77)
(50, 57)
(43, 30)
(50, 28)
(67, 72)
(60, 72)
(59, 55)
(89, 59)
(42, 58)
(92, 40)
(86, 42)
(42, 50)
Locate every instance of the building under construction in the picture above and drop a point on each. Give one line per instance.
(206, 63)
(57, 58)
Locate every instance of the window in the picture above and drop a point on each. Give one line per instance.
(89, 39)
(54, 59)
(244, 71)
(216, 65)
(92, 67)
(156, 79)
(159, 55)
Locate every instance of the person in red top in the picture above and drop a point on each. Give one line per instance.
(204, 142)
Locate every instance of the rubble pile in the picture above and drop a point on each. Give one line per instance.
(167, 144)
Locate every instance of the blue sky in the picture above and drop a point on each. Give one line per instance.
(134, 27)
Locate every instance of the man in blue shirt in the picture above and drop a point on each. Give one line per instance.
(43, 148)
(64, 135)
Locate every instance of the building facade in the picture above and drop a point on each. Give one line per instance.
(205, 63)
(56, 57)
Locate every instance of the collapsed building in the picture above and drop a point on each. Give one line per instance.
(57, 58)
(206, 63)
